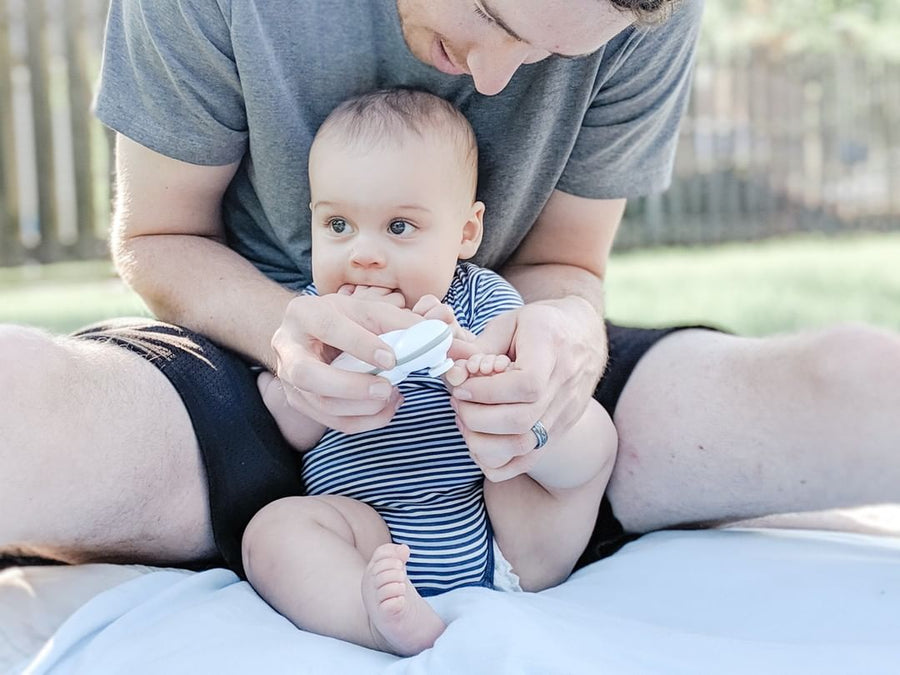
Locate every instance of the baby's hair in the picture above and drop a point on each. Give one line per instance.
(387, 115)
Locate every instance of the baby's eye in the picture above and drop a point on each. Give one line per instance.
(337, 225)
(400, 227)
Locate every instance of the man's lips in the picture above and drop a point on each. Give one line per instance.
(441, 60)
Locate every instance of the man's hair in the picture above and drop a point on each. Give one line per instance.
(387, 115)
(647, 12)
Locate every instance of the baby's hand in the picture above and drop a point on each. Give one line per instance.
(377, 293)
(477, 364)
(429, 307)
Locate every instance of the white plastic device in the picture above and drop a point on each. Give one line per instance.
(424, 345)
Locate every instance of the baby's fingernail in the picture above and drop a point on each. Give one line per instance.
(384, 358)
(462, 394)
(381, 390)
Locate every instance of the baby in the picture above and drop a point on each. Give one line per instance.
(403, 512)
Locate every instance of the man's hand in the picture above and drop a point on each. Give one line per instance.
(313, 332)
(559, 350)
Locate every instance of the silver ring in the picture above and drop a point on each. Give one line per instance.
(540, 435)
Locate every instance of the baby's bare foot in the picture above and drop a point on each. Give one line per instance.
(401, 621)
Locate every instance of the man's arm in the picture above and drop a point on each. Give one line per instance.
(168, 244)
(566, 252)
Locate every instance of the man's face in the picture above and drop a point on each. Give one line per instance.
(490, 39)
(394, 217)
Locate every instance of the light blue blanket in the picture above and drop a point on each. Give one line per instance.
(723, 601)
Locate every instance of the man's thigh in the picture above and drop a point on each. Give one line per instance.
(715, 427)
(103, 453)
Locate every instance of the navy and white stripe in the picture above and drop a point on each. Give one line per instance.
(416, 472)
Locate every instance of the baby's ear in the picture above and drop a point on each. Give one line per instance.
(472, 232)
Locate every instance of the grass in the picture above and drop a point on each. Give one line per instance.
(751, 288)
(61, 297)
(762, 287)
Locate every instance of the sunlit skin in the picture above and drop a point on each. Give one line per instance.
(395, 216)
(490, 39)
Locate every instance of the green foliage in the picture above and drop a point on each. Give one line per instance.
(760, 288)
(837, 27)
(751, 288)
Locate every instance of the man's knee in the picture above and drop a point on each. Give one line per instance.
(851, 357)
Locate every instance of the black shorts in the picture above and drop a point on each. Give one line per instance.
(248, 464)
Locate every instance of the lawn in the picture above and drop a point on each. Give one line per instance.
(762, 287)
(751, 288)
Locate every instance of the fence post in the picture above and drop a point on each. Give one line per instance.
(10, 244)
(79, 107)
(48, 249)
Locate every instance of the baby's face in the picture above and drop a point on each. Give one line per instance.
(397, 216)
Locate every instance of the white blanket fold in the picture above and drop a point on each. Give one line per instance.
(724, 601)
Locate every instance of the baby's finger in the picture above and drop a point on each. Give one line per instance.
(488, 364)
(473, 364)
(425, 304)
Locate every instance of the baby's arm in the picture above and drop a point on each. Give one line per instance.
(300, 431)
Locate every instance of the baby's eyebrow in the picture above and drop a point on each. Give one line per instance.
(413, 207)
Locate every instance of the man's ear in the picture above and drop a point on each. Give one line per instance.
(472, 232)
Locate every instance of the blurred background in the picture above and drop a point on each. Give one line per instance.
(784, 212)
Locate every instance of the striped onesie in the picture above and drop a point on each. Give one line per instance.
(416, 472)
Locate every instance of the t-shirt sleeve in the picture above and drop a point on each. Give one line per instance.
(626, 146)
(169, 81)
(492, 295)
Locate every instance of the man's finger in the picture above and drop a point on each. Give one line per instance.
(320, 379)
(511, 386)
(352, 325)
(514, 467)
(502, 420)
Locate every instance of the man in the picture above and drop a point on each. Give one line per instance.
(150, 443)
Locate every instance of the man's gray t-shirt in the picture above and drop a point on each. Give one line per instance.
(211, 82)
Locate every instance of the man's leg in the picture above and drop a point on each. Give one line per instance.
(714, 427)
(98, 459)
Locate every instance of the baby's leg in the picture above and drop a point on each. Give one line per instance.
(542, 520)
(327, 564)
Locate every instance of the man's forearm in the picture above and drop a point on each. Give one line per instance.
(555, 282)
(201, 284)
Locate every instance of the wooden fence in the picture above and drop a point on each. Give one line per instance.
(54, 158)
(771, 146)
(768, 146)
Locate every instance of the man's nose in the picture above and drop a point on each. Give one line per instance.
(492, 67)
